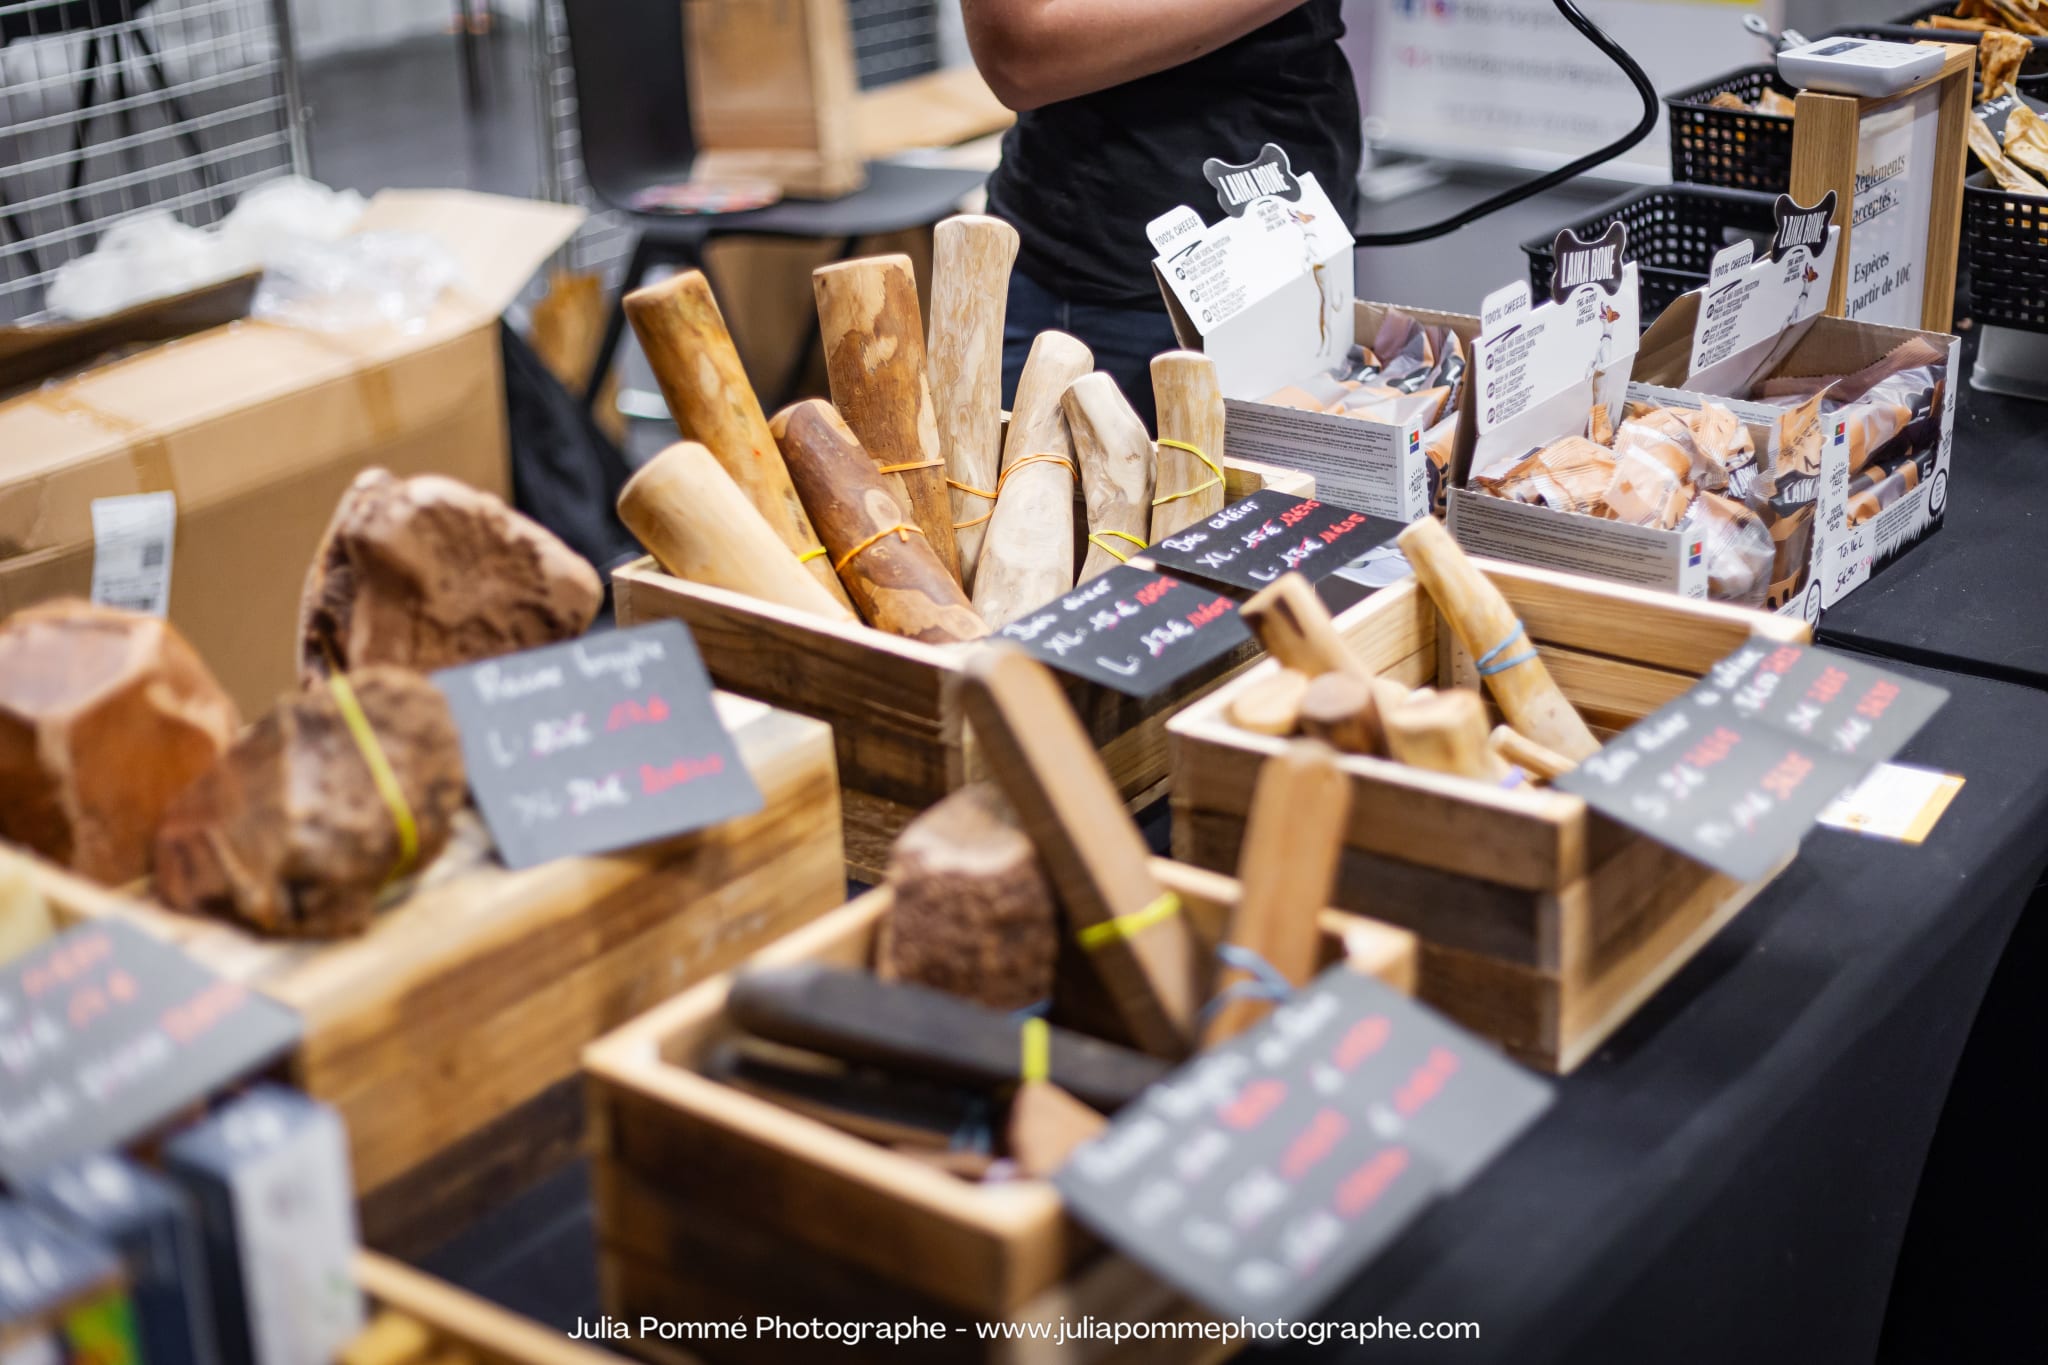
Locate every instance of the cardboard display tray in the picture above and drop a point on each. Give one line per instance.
(1543, 925)
(447, 1035)
(902, 740)
(714, 1204)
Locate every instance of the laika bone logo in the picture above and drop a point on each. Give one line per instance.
(1269, 173)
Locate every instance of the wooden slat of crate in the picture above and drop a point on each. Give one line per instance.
(452, 1024)
(485, 1332)
(902, 742)
(1543, 924)
(704, 1146)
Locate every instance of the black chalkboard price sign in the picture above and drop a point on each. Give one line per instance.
(1259, 1177)
(1734, 773)
(106, 1032)
(1250, 543)
(1132, 630)
(598, 744)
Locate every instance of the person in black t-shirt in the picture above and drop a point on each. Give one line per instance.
(1119, 102)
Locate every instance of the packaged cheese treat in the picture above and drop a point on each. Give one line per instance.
(1571, 475)
(1737, 546)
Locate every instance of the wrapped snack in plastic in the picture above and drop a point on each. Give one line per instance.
(1871, 423)
(1404, 349)
(1440, 444)
(1449, 373)
(1360, 365)
(1570, 475)
(1599, 426)
(1737, 547)
(1652, 471)
(1721, 446)
(1868, 497)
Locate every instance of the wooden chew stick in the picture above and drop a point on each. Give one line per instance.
(1115, 456)
(1129, 925)
(1490, 630)
(1526, 753)
(692, 355)
(971, 259)
(1272, 705)
(1444, 732)
(1341, 711)
(895, 579)
(696, 522)
(1190, 412)
(1027, 558)
(1046, 1125)
(1297, 629)
(874, 356)
(1292, 840)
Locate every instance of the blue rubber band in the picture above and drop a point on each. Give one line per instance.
(1491, 663)
(1265, 983)
(1037, 1009)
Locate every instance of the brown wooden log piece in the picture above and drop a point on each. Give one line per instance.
(428, 572)
(1444, 732)
(1046, 1125)
(1027, 558)
(1539, 762)
(105, 716)
(1489, 629)
(1341, 711)
(1190, 403)
(1271, 705)
(894, 578)
(690, 515)
(687, 345)
(874, 357)
(1115, 456)
(971, 259)
(290, 833)
(972, 912)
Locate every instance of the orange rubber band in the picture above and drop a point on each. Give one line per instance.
(903, 531)
(1041, 457)
(913, 464)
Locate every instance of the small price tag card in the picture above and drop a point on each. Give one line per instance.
(1250, 543)
(597, 744)
(1260, 1176)
(107, 1032)
(1734, 773)
(1132, 630)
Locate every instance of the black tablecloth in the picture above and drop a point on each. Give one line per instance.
(1969, 597)
(1730, 1178)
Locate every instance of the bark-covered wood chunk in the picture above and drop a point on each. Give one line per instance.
(288, 832)
(105, 716)
(428, 573)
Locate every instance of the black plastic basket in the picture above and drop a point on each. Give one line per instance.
(1673, 233)
(2005, 239)
(1733, 148)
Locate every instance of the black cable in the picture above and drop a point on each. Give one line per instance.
(1516, 193)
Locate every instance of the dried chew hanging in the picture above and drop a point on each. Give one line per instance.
(1500, 647)
(1115, 456)
(874, 357)
(894, 578)
(1129, 925)
(686, 342)
(971, 259)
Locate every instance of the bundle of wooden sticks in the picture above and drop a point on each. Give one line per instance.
(1324, 690)
(903, 500)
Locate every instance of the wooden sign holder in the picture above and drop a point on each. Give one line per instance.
(1826, 130)
(773, 94)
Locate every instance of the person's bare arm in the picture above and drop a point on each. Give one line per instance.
(1033, 52)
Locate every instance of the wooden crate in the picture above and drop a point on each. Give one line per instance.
(448, 1035)
(1543, 923)
(902, 741)
(714, 1204)
(459, 1321)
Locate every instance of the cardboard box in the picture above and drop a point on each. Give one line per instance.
(1265, 292)
(255, 429)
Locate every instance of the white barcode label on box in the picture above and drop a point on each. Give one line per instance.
(131, 551)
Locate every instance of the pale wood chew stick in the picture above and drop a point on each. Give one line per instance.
(1341, 711)
(1490, 630)
(874, 357)
(1027, 559)
(1129, 926)
(697, 523)
(1046, 1125)
(1190, 413)
(1272, 705)
(971, 259)
(1115, 456)
(706, 389)
(1528, 754)
(1292, 840)
(898, 583)
(1444, 732)
(1297, 629)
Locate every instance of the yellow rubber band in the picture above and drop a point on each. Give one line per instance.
(381, 775)
(979, 493)
(815, 552)
(911, 464)
(1111, 550)
(1034, 1044)
(902, 530)
(1215, 473)
(1097, 936)
(1043, 457)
